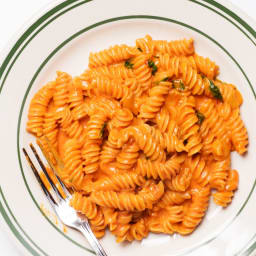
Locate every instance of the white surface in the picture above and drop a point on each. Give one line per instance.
(11, 19)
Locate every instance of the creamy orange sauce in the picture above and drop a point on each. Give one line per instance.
(62, 138)
(53, 217)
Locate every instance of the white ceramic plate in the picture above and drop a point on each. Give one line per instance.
(61, 38)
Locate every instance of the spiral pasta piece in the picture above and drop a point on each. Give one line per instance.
(96, 126)
(109, 153)
(91, 155)
(122, 118)
(144, 141)
(200, 171)
(75, 97)
(180, 182)
(192, 79)
(232, 180)
(163, 119)
(50, 129)
(91, 211)
(195, 212)
(119, 182)
(38, 108)
(138, 231)
(128, 156)
(155, 100)
(80, 111)
(84, 205)
(61, 93)
(126, 200)
(146, 45)
(172, 198)
(111, 71)
(214, 124)
(103, 105)
(203, 65)
(142, 71)
(223, 198)
(73, 162)
(230, 94)
(175, 48)
(239, 136)
(119, 224)
(112, 55)
(219, 174)
(76, 131)
(155, 169)
(169, 66)
(188, 123)
(112, 88)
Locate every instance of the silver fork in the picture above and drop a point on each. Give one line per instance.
(63, 210)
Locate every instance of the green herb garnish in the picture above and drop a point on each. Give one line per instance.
(215, 91)
(185, 142)
(182, 86)
(153, 66)
(151, 63)
(165, 79)
(103, 129)
(139, 49)
(128, 64)
(178, 84)
(154, 70)
(200, 117)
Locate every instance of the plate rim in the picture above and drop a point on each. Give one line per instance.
(8, 54)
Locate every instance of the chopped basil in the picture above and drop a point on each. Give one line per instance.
(151, 63)
(103, 129)
(182, 86)
(200, 117)
(154, 70)
(153, 66)
(162, 80)
(165, 79)
(215, 91)
(178, 84)
(139, 49)
(128, 64)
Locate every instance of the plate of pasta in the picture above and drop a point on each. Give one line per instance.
(151, 112)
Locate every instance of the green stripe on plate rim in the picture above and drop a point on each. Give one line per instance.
(220, 14)
(68, 2)
(13, 229)
(78, 34)
(28, 32)
(233, 15)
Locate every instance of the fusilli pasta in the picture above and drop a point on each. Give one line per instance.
(145, 133)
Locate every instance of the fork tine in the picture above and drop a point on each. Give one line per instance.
(65, 189)
(60, 197)
(45, 190)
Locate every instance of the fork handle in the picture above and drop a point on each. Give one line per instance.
(85, 229)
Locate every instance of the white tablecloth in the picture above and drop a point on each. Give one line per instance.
(11, 19)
